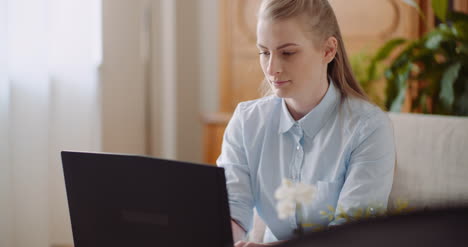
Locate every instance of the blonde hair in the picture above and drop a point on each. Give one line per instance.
(321, 21)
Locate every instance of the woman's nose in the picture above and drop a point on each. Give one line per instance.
(274, 66)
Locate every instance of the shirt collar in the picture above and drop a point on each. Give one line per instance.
(315, 119)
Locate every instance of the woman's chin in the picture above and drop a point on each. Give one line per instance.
(281, 93)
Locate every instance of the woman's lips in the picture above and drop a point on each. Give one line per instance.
(280, 83)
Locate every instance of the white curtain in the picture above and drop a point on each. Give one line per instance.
(50, 52)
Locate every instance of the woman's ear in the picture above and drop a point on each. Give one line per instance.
(331, 47)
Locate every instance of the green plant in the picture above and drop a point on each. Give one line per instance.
(360, 63)
(438, 62)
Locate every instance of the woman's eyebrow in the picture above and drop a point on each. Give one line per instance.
(279, 47)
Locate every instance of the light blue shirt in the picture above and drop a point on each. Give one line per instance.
(344, 148)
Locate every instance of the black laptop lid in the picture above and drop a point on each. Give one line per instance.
(124, 200)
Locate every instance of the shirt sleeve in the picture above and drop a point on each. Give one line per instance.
(369, 175)
(234, 161)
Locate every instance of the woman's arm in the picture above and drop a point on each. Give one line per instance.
(238, 233)
(251, 244)
(234, 160)
(369, 174)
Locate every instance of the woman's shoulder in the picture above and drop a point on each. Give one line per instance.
(258, 107)
(362, 113)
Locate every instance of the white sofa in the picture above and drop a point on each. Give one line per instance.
(432, 160)
(432, 163)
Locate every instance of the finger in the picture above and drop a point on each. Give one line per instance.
(240, 244)
(251, 244)
(276, 243)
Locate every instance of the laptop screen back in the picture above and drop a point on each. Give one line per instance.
(123, 200)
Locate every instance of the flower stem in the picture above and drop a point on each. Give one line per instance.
(300, 228)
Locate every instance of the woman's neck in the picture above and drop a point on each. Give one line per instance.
(298, 108)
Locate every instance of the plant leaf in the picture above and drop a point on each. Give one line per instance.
(433, 40)
(422, 102)
(463, 49)
(415, 5)
(456, 16)
(462, 102)
(388, 48)
(440, 9)
(459, 30)
(398, 102)
(402, 84)
(447, 94)
(382, 54)
(411, 3)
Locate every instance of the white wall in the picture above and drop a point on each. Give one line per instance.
(209, 50)
(152, 91)
(122, 84)
(188, 60)
(152, 103)
(184, 75)
(6, 237)
(47, 104)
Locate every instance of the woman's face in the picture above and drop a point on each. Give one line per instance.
(293, 66)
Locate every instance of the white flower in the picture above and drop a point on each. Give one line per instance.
(304, 193)
(285, 191)
(290, 194)
(285, 208)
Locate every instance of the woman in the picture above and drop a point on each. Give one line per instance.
(316, 127)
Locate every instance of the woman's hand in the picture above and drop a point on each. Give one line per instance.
(251, 244)
(247, 244)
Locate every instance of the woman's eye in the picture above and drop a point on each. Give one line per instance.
(264, 53)
(288, 53)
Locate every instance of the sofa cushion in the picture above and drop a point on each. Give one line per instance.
(432, 160)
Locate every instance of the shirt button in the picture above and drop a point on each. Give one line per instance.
(297, 147)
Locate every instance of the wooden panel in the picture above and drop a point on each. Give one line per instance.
(362, 28)
(461, 5)
(214, 127)
(242, 75)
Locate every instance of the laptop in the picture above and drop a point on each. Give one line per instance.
(128, 200)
